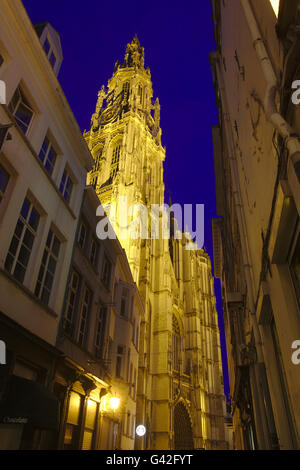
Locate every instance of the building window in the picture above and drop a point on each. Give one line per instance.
(84, 313)
(4, 178)
(126, 88)
(72, 298)
(21, 109)
(119, 360)
(49, 52)
(115, 161)
(89, 425)
(106, 272)
(116, 155)
(124, 302)
(21, 246)
(73, 421)
(82, 235)
(295, 268)
(100, 331)
(94, 252)
(48, 155)
(66, 186)
(48, 267)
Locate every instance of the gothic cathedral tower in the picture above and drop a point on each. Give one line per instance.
(179, 393)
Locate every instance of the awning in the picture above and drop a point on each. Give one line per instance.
(26, 401)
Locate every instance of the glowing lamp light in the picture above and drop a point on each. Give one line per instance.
(275, 5)
(140, 430)
(114, 403)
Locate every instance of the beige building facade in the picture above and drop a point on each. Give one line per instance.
(256, 236)
(70, 311)
(179, 389)
(43, 165)
(98, 335)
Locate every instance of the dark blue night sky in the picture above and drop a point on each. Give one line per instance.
(177, 37)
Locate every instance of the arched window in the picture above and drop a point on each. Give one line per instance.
(115, 161)
(140, 94)
(176, 344)
(126, 88)
(116, 154)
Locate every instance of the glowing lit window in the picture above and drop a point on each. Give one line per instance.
(72, 302)
(116, 155)
(84, 313)
(100, 331)
(275, 6)
(89, 427)
(73, 421)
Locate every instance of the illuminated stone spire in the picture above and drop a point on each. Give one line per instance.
(134, 56)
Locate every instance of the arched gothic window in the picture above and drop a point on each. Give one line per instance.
(115, 161)
(116, 154)
(126, 88)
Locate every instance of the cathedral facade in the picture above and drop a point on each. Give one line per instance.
(180, 397)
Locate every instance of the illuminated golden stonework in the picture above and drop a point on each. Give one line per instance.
(180, 371)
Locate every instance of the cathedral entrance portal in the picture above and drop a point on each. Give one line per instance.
(183, 434)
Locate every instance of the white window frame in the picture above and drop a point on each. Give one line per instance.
(52, 50)
(44, 160)
(22, 100)
(44, 267)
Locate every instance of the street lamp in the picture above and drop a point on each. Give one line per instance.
(114, 403)
(140, 430)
